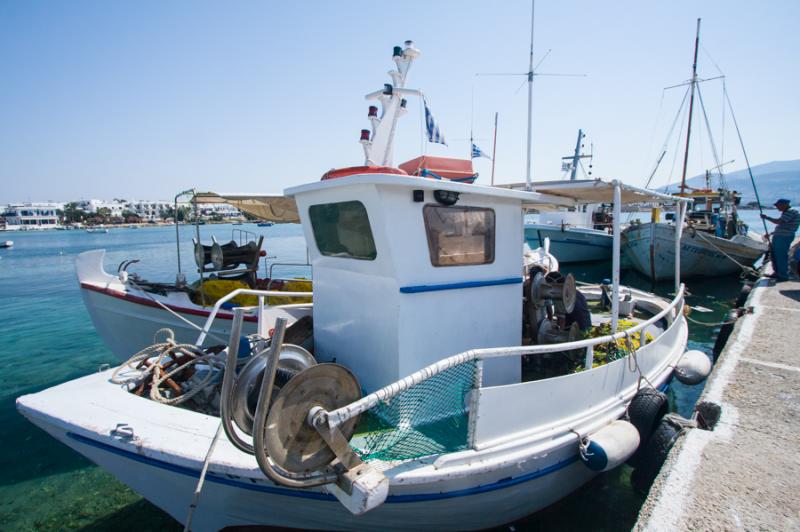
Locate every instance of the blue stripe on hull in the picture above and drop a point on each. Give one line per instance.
(456, 286)
(307, 494)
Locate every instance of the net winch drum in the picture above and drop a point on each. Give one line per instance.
(293, 359)
(202, 254)
(550, 333)
(556, 287)
(291, 441)
(229, 256)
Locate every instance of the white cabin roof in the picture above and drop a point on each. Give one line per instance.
(526, 198)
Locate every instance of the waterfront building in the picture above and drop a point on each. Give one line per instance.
(93, 206)
(33, 215)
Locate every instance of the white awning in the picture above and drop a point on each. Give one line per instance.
(596, 191)
(272, 208)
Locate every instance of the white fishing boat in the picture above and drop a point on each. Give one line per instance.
(415, 411)
(127, 310)
(7, 244)
(712, 243)
(715, 241)
(580, 234)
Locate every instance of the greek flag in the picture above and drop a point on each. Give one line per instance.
(477, 152)
(434, 134)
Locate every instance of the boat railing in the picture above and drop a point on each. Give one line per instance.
(262, 295)
(341, 415)
(283, 265)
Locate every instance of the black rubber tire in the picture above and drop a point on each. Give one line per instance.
(647, 408)
(653, 455)
(743, 295)
(722, 339)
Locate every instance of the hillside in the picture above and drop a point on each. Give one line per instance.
(777, 179)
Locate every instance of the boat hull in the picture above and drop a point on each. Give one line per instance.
(160, 450)
(650, 249)
(236, 496)
(571, 244)
(127, 319)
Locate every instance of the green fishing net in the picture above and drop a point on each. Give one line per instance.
(430, 418)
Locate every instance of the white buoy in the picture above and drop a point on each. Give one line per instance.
(693, 367)
(610, 446)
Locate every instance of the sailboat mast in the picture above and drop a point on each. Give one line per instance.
(494, 146)
(691, 107)
(577, 157)
(530, 106)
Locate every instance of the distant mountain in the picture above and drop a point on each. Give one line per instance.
(778, 179)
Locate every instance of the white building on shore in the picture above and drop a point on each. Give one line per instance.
(33, 215)
(92, 206)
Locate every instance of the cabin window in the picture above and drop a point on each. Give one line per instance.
(342, 230)
(459, 236)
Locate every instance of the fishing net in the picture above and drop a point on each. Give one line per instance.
(429, 418)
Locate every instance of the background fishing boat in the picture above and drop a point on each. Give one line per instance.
(715, 241)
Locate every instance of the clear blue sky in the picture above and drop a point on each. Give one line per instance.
(142, 99)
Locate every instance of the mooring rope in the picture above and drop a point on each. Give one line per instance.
(201, 481)
(165, 307)
(744, 268)
(707, 324)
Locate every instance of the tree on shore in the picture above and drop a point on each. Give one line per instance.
(72, 214)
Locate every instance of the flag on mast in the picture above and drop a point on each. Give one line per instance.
(477, 152)
(434, 134)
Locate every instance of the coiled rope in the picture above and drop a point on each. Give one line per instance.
(147, 366)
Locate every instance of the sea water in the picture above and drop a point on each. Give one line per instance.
(46, 338)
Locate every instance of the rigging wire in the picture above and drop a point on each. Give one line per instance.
(677, 148)
(749, 170)
(711, 140)
(669, 135)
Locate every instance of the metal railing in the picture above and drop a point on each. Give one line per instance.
(262, 294)
(345, 413)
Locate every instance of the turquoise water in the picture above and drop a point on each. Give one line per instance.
(48, 338)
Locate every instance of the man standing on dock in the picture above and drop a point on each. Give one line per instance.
(782, 237)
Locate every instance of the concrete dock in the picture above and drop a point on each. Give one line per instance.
(745, 474)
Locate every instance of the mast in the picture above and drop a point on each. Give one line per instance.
(530, 106)
(494, 146)
(577, 157)
(691, 107)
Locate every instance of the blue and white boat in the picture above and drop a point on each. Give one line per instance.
(574, 236)
(430, 401)
(580, 234)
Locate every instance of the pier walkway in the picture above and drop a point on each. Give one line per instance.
(745, 474)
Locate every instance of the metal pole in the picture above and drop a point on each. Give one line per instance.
(530, 106)
(494, 146)
(678, 235)
(615, 265)
(691, 107)
(178, 235)
(199, 242)
(577, 157)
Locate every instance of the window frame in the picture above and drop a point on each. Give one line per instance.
(492, 235)
(326, 252)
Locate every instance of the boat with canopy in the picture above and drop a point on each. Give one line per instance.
(447, 384)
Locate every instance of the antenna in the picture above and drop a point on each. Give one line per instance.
(379, 143)
(530, 74)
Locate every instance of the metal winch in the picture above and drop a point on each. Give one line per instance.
(549, 297)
